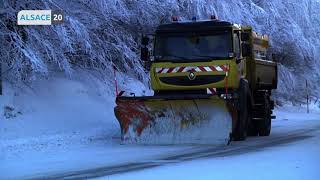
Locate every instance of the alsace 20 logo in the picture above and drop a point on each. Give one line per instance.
(40, 17)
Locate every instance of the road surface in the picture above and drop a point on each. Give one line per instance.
(284, 131)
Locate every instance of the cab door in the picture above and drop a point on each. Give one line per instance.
(241, 65)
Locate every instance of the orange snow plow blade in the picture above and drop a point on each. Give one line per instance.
(199, 119)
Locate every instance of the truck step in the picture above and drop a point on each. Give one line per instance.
(257, 110)
(272, 104)
(258, 119)
(273, 117)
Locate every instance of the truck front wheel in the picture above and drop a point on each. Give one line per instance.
(240, 131)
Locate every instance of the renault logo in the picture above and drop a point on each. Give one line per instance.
(192, 76)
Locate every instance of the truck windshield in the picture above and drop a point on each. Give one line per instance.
(193, 46)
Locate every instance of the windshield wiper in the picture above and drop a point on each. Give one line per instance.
(211, 57)
(175, 56)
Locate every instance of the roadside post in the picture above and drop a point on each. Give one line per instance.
(0, 79)
(307, 96)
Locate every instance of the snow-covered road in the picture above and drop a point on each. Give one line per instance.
(291, 152)
(293, 146)
(294, 156)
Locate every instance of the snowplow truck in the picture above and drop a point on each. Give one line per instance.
(212, 82)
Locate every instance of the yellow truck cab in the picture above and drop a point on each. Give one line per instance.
(194, 56)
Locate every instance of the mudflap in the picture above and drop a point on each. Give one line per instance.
(152, 120)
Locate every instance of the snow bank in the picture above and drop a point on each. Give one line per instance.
(56, 112)
(59, 112)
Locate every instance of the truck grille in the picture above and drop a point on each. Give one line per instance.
(185, 81)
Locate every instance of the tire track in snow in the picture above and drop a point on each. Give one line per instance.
(236, 148)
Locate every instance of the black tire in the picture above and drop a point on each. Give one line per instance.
(240, 132)
(264, 126)
(253, 128)
(252, 125)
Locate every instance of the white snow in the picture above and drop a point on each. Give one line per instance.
(57, 120)
(64, 125)
(67, 125)
(295, 161)
(203, 120)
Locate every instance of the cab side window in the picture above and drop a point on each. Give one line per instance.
(236, 43)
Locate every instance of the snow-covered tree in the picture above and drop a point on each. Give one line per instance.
(97, 34)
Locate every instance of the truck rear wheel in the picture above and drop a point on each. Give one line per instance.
(261, 121)
(264, 126)
(253, 128)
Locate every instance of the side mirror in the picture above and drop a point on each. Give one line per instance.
(145, 40)
(246, 49)
(245, 36)
(273, 56)
(145, 54)
(144, 49)
(145, 57)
